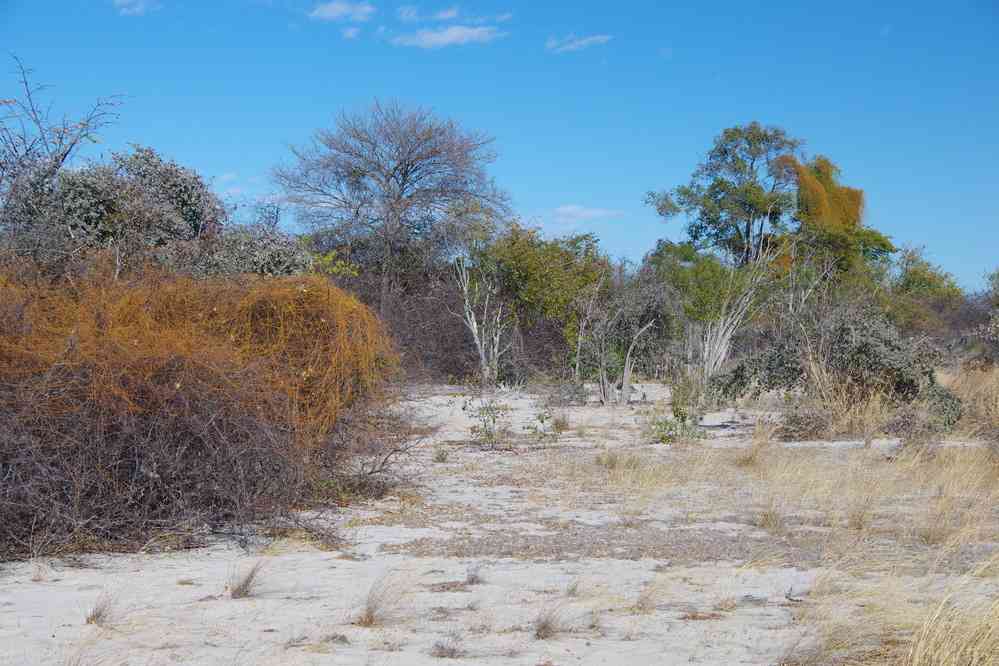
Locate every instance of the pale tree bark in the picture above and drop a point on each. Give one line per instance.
(740, 300)
(486, 317)
(588, 311)
(620, 324)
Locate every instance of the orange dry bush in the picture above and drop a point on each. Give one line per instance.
(136, 404)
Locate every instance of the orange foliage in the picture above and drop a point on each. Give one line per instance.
(304, 349)
(823, 202)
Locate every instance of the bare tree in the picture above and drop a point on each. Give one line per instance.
(390, 177)
(586, 307)
(741, 296)
(485, 315)
(620, 327)
(35, 145)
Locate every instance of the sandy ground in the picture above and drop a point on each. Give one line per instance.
(666, 566)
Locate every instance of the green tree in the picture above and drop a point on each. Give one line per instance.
(741, 196)
(922, 297)
(696, 277)
(545, 278)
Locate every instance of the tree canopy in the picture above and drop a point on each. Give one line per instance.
(741, 196)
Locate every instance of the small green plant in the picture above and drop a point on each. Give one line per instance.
(491, 429)
(667, 430)
(547, 427)
(685, 395)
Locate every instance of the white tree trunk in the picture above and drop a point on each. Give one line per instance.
(485, 318)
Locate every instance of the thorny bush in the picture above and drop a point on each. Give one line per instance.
(130, 406)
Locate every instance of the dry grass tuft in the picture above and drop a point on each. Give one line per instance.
(979, 393)
(473, 576)
(646, 601)
(449, 647)
(764, 432)
(615, 461)
(771, 518)
(382, 602)
(952, 636)
(244, 584)
(727, 605)
(101, 614)
(549, 622)
(700, 616)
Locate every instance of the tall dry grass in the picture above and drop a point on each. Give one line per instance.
(979, 393)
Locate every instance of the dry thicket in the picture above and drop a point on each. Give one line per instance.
(160, 401)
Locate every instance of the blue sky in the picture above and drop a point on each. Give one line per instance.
(592, 103)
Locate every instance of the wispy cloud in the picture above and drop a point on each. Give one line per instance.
(448, 14)
(454, 35)
(571, 214)
(350, 33)
(411, 14)
(408, 13)
(573, 43)
(340, 10)
(135, 7)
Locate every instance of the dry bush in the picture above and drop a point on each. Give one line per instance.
(835, 413)
(866, 418)
(805, 420)
(128, 406)
(244, 584)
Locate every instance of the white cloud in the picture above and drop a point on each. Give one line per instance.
(408, 13)
(340, 10)
(411, 14)
(446, 14)
(503, 18)
(229, 177)
(451, 36)
(135, 7)
(350, 33)
(571, 214)
(573, 43)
